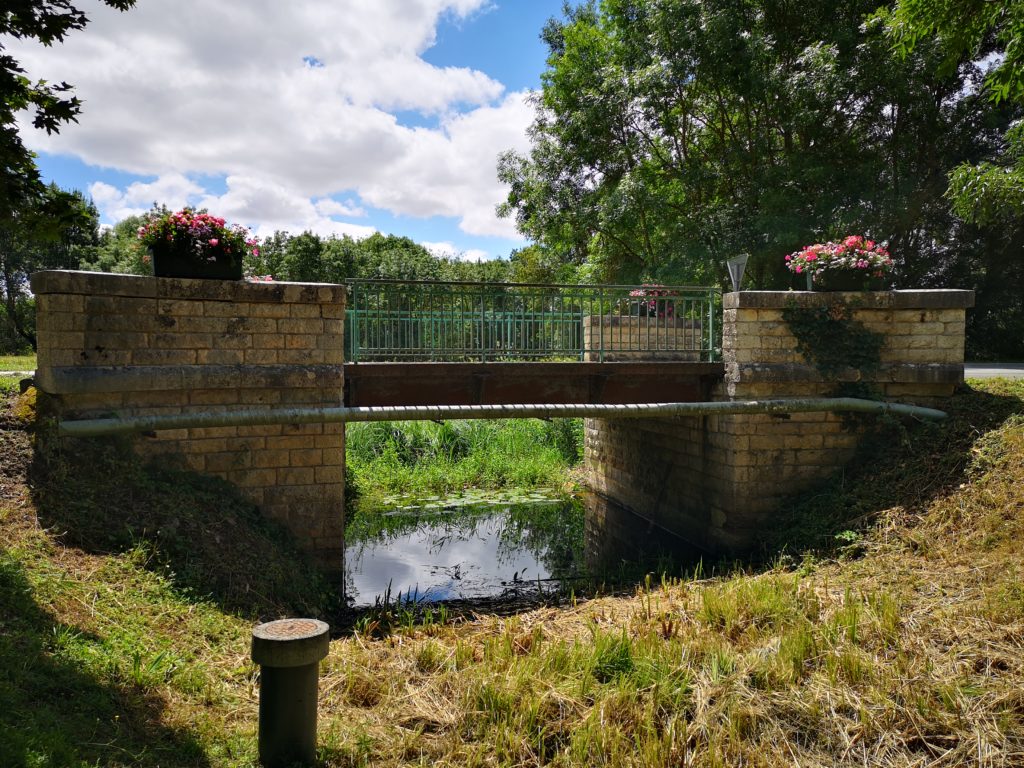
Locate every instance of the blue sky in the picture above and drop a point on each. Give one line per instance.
(350, 116)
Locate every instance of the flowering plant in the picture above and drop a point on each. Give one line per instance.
(854, 252)
(196, 238)
(652, 300)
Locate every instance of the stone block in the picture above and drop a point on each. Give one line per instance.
(329, 474)
(259, 396)
(268, 341)
(221, 357)
(296, 476)
(164, 357)
(335, 311)
(179, 309)
(117, 305)
(306, 457)
(270, 311)
(227, 462)
(305, 311)
(193, 341)
(47, 303)
(237, 341)
(213, 397)
(60, 321)
(58, 340)
(259, 356)
(303, 327)
(202, 433)
(252, 478)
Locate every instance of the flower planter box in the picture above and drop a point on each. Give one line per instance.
(845, 280)
(193, 244)
(166, 264)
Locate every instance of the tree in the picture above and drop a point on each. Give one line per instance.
(987, 189)
(57, 231)
(992, 191)
(302, 258)
(119, 250)
(391, 257)
(269, 257)
(966, 29)
(671, 135)
(49, 22)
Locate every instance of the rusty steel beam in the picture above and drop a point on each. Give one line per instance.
(617, 383)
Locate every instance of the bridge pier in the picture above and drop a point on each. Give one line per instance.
(716, 481)
(133, 346)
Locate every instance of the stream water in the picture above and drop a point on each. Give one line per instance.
(498, 547)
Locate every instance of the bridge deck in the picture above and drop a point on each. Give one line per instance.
(369, 384)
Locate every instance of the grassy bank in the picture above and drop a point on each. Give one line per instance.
(17, 362)
(895, 637)
(423, 458)
(9, 384)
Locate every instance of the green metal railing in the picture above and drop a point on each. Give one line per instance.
(390, 320)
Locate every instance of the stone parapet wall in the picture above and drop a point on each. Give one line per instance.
(121, 345)
(717, 480)
(625, 338)
(921, 358)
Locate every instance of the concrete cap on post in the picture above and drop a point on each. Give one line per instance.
(289, 653)
(290, 642)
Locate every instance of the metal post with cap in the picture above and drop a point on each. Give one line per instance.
(289, 653)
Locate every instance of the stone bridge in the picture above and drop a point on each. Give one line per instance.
(131, 346)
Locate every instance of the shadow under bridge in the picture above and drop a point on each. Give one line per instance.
(460, 343)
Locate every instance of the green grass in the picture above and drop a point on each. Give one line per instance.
(387, 458)
(17, 362)
(901, 651)
(9, 384)
(90, 663)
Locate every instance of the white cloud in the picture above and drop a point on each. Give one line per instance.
(173, 190)
(446, 250)
(263, 205)
(178, 90)
(329, 207)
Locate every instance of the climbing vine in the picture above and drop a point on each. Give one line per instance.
(832, 341)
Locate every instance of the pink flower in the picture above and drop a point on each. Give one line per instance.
(214, 241)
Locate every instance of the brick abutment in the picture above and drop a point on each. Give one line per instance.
(133, 346)
(717, 481)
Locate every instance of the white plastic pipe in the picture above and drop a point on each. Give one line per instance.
(116, 426)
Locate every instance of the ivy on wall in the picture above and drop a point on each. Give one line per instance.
(832, 341)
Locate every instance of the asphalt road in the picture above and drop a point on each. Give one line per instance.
(971, 371)
(994, 370)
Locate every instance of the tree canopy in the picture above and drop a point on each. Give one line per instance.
(671, 135)
(52, 104)
(57, 230)
(968, 29)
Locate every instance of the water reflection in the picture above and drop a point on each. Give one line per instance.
(620, 542)
(463, 549)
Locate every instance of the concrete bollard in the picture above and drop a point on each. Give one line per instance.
(289, 653)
